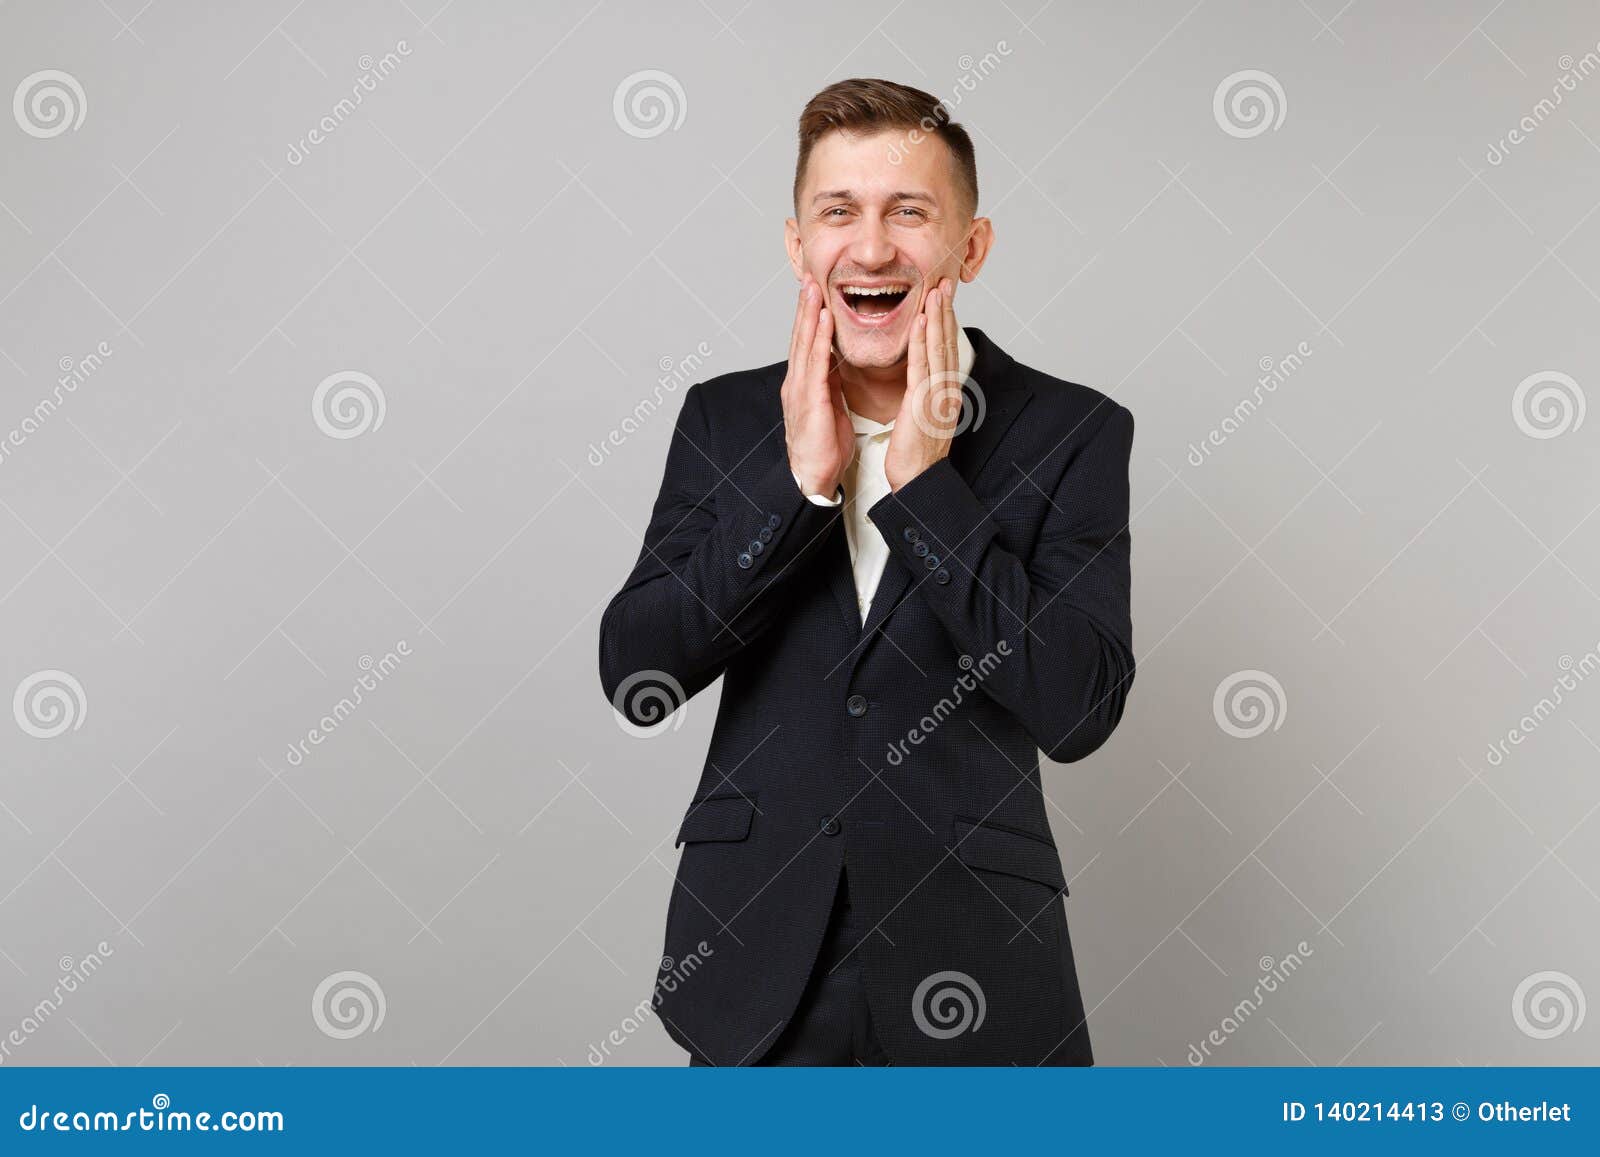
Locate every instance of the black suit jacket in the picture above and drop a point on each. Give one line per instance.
(908, 748)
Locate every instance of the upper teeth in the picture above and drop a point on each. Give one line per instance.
(873, 291)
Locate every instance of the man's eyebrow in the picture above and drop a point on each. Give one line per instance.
(848, 195)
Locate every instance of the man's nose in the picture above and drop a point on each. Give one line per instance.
(871, 246)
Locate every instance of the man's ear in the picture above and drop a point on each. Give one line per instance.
(979, 241)
(791, 242)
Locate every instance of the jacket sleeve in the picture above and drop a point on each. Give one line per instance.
(1063, 615)
(708, 581)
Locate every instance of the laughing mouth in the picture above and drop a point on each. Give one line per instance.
(874, 303)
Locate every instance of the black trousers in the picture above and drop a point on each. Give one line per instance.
(832, 1024)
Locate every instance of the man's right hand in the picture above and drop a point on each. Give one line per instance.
(821, 441)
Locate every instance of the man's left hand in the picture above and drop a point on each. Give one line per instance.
(931, 408)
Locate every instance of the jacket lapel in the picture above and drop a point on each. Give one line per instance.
(841, 577)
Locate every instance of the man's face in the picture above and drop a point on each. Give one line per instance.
(878, 235)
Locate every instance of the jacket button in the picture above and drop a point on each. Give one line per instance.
(830, 826)
(941, 576)
(856, 705)
(920, 550)
(774, 521)
(766, 534)
(931, 562)
(757, 546)
(910, 534)
(746, 561)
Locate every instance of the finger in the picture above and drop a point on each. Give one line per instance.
(819, 358)
(835, 387)
(799, 319)
(917, 354)
(914, 408)
(935, 338)
(835, 382)
(805, 333)
(952, 342)
(821, 352)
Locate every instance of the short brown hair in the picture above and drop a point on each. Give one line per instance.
(870, 106)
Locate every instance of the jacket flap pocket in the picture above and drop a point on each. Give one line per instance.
(718, 817)
(1010, 852)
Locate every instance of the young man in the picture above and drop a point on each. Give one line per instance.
(908, 556)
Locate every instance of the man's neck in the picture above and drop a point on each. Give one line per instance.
(874, 392)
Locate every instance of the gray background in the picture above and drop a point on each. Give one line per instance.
(484, 239)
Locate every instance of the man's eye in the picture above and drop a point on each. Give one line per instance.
(910, 210)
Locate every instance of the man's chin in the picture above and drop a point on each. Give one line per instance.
(868, 353)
